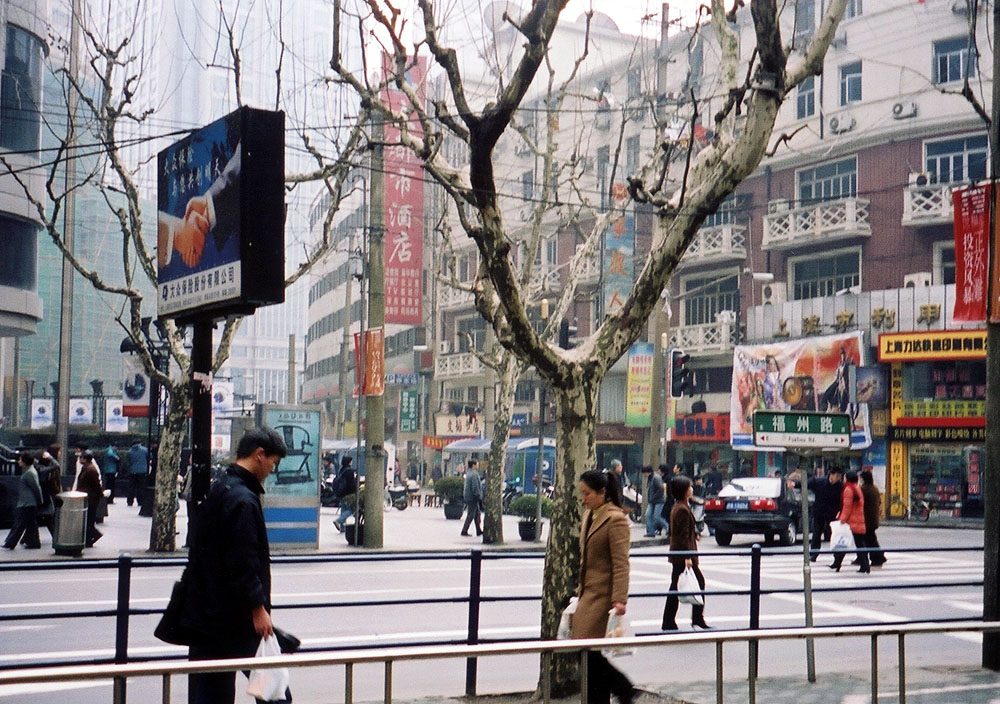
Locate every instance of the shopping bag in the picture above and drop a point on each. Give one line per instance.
(687, 582)
(270, 684)
(841, 537)
(565, 631)
(618, 627)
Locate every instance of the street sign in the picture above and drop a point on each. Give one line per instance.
(801, 429)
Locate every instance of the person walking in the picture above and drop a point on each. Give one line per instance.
(345, 485)
(111, 462)
(873, 509)
(472, 494)
(619, 470)
(683, 536)
(713, 481)
(138, 467)
(29, 498)
(89, 482)
(655, 523)
(229, 569)
(604, 576)
(852, 513)
(51, 483)
(828, 491)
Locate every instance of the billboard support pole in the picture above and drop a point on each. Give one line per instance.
(201, 409)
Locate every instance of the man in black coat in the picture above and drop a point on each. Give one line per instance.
(827, 491)
(229, 569)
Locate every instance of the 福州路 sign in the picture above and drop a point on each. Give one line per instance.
(801, 429)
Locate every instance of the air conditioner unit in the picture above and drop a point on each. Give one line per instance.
(778, 205)
(839, 124)
(904, 110)
(774, 292)
(917, 279)
(919, 178)
(444, 347)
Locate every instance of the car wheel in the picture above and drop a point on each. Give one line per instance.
(723, 538)
(788, 535)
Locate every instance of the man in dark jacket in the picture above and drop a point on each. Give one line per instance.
(29, 497)
(229, 570)
(472, 494)
(827, 491)
(655, 522)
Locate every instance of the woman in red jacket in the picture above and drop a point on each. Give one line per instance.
(852, 513)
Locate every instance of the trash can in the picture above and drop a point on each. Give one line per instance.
(70, 523)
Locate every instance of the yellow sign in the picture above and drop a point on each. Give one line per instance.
(928, 346)
(897, 479)
(896, 392)
(952, 408)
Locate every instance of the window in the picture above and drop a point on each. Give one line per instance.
(634, 83)
(853, 9)
(528, 186)
(955, 160)
(805, 18)
(944, 262)
(735, 208)
(829, 181)
(850, 83)
(708, 298)
(474, 327)
(21, 91)
(19, 252)
(952, 60)
(805, 101)
(631, 155)
(524, 392)
(816, 276)
(603, 161)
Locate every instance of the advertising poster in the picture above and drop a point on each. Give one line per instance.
(972, 228)
(81, 411)
(409, 412)
(41, 413)
(114, 416)
(135, 388)
(291, 493)
(404, 211)
(639, 385)
(619, 255)
(811, 374)
(374, 382)
(870, 385)
(222, 397)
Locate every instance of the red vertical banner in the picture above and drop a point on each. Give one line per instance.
(994, 284)
(404, 208)
(373, 383)
(972, 235)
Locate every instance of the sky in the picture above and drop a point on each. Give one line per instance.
(628, 14)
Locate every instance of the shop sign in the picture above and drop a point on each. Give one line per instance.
(897, 477)
(930, 346)
(702, 427)
(452, 426)
(951, 408)
(937, 434)
(896, 392)
(792, 429)
(638, 395)
(409, 412)
(435, 442)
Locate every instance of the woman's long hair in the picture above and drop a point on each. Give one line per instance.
(604, 481)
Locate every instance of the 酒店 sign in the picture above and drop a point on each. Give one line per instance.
(801, 429)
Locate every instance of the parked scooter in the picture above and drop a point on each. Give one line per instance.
(511, 490)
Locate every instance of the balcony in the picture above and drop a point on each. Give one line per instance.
(715, 245)
(712, 338)
(452, 366)
(543, 278)
(817, 223)
(453, 298)
(590, 273)
(927, 205)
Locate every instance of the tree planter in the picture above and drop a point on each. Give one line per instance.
(526, 529)
(453, 510)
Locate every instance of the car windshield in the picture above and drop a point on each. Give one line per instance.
(753, 486)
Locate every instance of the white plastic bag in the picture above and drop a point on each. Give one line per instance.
(565, 631)
(270, 684)
(618, 627)
(841, 537)
(687, 582)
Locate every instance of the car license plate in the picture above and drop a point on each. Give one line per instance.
(737, 505)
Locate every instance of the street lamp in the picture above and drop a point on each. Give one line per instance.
(29, 388)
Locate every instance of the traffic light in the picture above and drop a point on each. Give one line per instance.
(681, 379)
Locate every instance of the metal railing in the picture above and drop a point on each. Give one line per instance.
(389, 656)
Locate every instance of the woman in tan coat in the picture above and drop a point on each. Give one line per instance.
(604, 542)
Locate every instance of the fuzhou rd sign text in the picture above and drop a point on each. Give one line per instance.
(798, 429)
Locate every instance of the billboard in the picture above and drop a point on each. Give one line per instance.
(41, 413)
(639, 385)
(811, 374)
(114, 416)
(222, 397)
(135, 388)
(81, 411)
(220, 225)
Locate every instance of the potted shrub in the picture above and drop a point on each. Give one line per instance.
(451, 490)
(525, 507)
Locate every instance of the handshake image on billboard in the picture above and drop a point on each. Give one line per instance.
(186, 235)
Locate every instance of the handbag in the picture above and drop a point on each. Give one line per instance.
(565, 631)
(841, 537)
(287, 643)
(270, 685)
(169, 629)
(687, 582)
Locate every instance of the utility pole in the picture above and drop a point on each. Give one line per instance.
(375, 404)
(69, 232)
(345, 346)
(991, 489)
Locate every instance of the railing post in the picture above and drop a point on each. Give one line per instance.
(121, 622)
(755, 555)
(902, 669)
(719, 698)
(874, 669)
(584, 675)
(475, 582)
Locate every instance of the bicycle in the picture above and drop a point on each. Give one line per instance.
(917, 509)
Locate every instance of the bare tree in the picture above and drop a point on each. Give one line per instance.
(705, 180)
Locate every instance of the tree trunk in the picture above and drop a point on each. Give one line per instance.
(576, 452)
(503, 407)
(163, 532)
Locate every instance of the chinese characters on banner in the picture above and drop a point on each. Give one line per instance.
(404, 211)
(619, 254)
(409, 412)
(374, 365)
(639, 388)
(972, 224)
